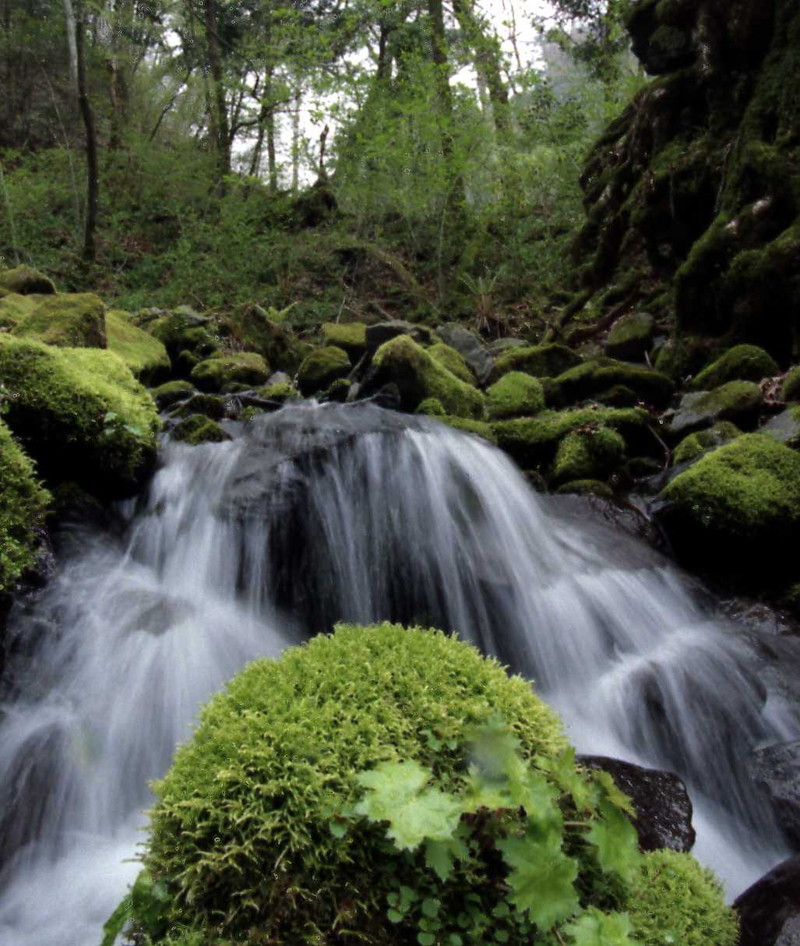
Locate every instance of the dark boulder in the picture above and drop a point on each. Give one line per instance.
(470, 347)
(777, 768)
(770, 906)
(662, 804)
(382, 332)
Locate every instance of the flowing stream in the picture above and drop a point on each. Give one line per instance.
(317, 514)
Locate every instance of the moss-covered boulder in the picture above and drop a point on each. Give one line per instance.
(169, 393)
(514, 395)
(280, 391)
(261, 830)
(144, 354)
(68, 320)
(418, 376)
(322, 367)
(188, 338)
(349, 336)
(23, 506)
(532, 442)
(694, 445)
(683, 355)
(790, 389)
(736, 401)
(590, 453)
(740, 363)
(245, 367)
(467, 425)
(26, 281)
(454, 362)
(15, 309)
(785, 427)
(80, 414)
(253, 329)
(591, 378)
(209, 405)
(198, 429)
(631, 336)
(735, 509)
(586, 488)
(541, 361)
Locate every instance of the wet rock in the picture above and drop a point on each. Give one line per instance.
(622, 517)
(777, 768)
(790, 933)
(771, 906)
(736, 401)
(785, 427)
(470, 347)
(662, 804)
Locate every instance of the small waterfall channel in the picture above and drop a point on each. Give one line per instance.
(323, 513)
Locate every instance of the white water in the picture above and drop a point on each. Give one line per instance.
(346, 513)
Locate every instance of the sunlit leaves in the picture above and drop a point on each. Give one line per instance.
(615, 840)
(594, 928)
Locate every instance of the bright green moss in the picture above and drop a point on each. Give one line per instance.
(209, 405)
(144, 354)
(478, 427)
(245, 367)
(675, 900)
(431, 406)
(631, 336)
(70, 320)
(79, 413)
(740, 363)
(322, 367)
(349, 336)
(592, 377)
(590, 453)
(26, 281)
(736, 401)
(515, 395)
(790, 391)
(23, 505)
(419, 376)
(454, 362)
(281, 391)
(541, 361)
(170, 392)
(693, 446)
(198, 429)
(16, 308)
(532, 442)
(181, 332)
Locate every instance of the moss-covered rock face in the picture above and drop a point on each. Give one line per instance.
(586, 488)
(169, 393)
(533, 442)
(71, 320)
(790, 390)
(631, 337)
(145, 355)
(418, 376)
(541, 361)
(454, 362)
(602, 374)
(591, 453)
(245, 367)
(694, 445)
(735, 504)
(515, 395)
(23, 505)
(254, 835)
(26, 281)
(321, 368)
(253, 329)
(281, 391)
(349, 336)
(187, 338)
(15, 308)
(198, 429)
(736, 401)
(740, 363)
(80, 414)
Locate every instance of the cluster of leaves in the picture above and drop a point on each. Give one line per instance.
(516, 852)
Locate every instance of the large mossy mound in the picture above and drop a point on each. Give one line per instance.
(735, 510)
(69, 320)
(515, 395)
(80, 414)
(144, 354)
(243, 367)
(321, 367)
(26, 281)
(23, 504)
(541, 361)
(740, 363)
(593, 378)
(251, 840)
(419, 376)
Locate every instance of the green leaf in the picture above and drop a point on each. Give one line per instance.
(426, 939)
(115, 923)
(616, 841)
(541, 879)
(613, 793)
(430, 907)
(394, 915)
(594, 928)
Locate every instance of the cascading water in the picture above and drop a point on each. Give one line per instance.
(319, 514)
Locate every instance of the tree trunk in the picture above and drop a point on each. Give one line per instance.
(296, 138)
(487, 62)
(218, 110)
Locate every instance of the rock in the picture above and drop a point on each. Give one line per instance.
(418, 376)
(593, 377)
(790, 390)
(592, 453)
(777, 768)
(69, 320)
(449, 358)
(26, 281)
(145, 355)
(734, 509)
(790, 933)
(662, 804)
(541, 361)
(197, 429)
(280, 391)
(208, 405)
(501, 345)
(770, 904)
(631, 337)
(693, 446)
(279, 377)
(253, 330)
(470, 347)
(784, 427)
(740, 363)
(186, 339)
(515, 395)
(165, 395)
(322, 367)
(736, 401)
(244, 367)
(586, 488)
(382, 332)
(349, 336)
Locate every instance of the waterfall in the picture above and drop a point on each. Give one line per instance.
(317, 514)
